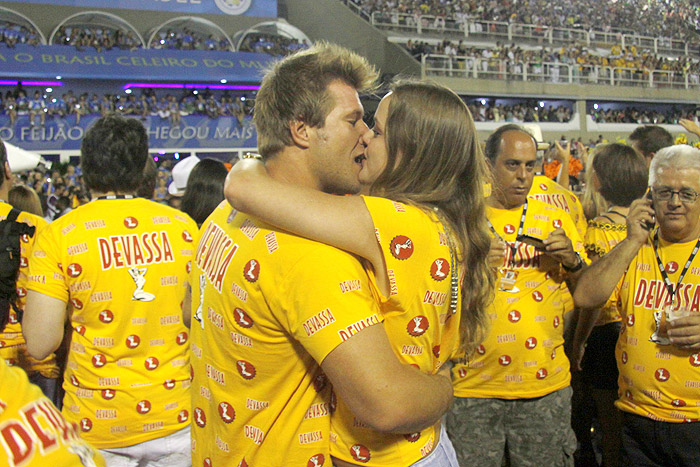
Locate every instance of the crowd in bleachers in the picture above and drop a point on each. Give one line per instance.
(617, 57)
(527, 111)
(187, 39)
(640, 114)
(98, 37)
(12, 34)
(670, 18)
(271, 44)
(149, 104)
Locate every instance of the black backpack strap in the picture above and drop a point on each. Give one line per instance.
(13, 214)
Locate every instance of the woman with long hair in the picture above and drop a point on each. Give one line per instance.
(205, 189)
(423, 231)
(618, 174)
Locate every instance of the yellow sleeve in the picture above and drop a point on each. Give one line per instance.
(45, 273)
(327, 299)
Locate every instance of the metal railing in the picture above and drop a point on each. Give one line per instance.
(553, 72)
(525, 33)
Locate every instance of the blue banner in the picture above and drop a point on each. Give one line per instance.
(263, 8)
(49, 61)
(194, 132)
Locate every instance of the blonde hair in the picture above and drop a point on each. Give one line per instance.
(296, 89)
(592, 201)
(442, 166)
(25, 199)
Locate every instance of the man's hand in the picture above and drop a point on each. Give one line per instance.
(685, 332)
(640, 216)
(563, 153)
(497, 252)
(559, 247)
(690, 125)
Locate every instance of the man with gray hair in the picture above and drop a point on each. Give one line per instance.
(655, 274)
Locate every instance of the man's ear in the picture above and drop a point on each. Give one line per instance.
(300, 133)
(7, 172)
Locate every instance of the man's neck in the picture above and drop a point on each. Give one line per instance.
(290, 166)
(100, 194)
(493, 202)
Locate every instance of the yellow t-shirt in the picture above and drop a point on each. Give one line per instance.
(547, 190)
(33, 433)
(523, 355)
(274, 306)
(657, 380)
(121, 265)
(601, 237)
(417, 319)
(12, 348)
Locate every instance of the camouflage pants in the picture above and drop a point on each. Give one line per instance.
(528, 432)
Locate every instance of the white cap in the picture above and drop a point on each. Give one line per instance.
(181, 172)
(536, 133)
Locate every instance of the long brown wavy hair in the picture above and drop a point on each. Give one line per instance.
(442, 166)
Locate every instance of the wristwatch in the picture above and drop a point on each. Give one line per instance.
(577, 266)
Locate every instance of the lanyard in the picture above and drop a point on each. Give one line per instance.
(512, 246)
(671, 290)
(114, 197)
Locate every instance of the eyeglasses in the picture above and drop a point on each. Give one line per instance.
(685, 195)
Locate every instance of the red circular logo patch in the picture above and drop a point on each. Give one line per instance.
(143, 407)
(556, 223)
(80, 329)
(181, 338)
(99, 360)
(21, 292)
(186, 236)
(74, 270)
(151, 363)
(694, 359)
(77, 304)
(74, 381)
(481, 350)
(531, 343)
(23, 263)
(360, 453)
(504, 360)
(401, 247)
(131, 222)
(169, 384)
(623, 357)
(85, 425)
(242, 318)
(671, 267)
(439, 269)
(108, 394)
(514, 316)
(188, 267)
(251, 270)
(245, 369)
(12, 319)
(417, 326)
(133, 341)
(554, 354)
(436, 351)
(541, 373)
(200, 419)
(543, 187)
(556, 321)
(462, 372)
(183, 416)
(226, 412)
(628, 394)
(25, 238)
(509, 229)
(662, 375)
(106, 316)
(537, 296)
(412, 437)
(316, 461)
(630, 320)
(678, 403)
